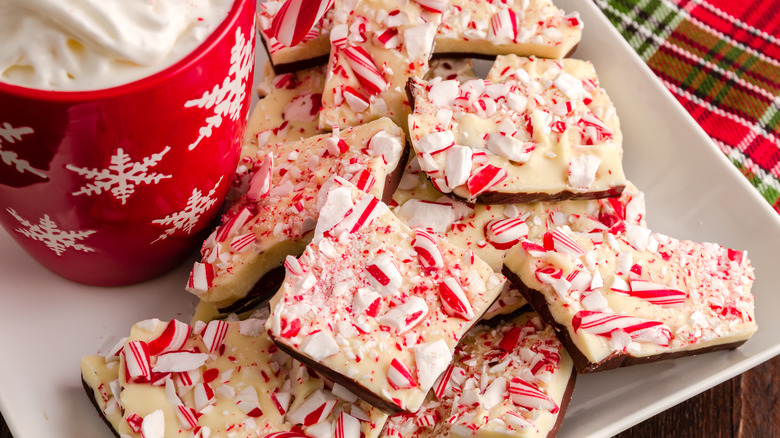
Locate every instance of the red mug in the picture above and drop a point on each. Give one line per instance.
(116, 186)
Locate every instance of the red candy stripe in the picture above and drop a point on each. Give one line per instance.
(603, 324)
(296, 18)
(427, 250)
(505, 233)
(286, 435)
(260, 185)
(484, 178)
(433, 5)
(657, 294)
(364, 180)
(137, 362)
(528, 396)
(365, 69)
(172, 338)
(214, 334)
(399, 376)
(454, 299)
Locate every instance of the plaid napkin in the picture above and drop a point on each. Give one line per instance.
(721, 60)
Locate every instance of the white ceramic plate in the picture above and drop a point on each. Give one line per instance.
(47, 324)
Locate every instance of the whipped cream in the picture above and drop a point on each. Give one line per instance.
(74, 45)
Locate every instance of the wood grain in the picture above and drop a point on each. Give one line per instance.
(743, 407)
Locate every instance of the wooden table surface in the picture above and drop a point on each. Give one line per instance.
(746, 406)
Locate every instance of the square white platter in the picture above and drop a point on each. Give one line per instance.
(693, 192)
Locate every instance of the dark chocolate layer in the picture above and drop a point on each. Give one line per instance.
(489, 197)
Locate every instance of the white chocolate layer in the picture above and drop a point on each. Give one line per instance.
(255, 388)
(361, 298)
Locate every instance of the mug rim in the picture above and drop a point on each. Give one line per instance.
(195, 56)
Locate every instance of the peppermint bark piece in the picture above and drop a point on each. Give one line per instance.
(311, 51)
(514, 379)
(224, 378)
(376, 45)
(628, 295)
(241, 263)
(376, 306)
(483, 28)
(545, 135)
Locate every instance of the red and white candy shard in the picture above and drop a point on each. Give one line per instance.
(485, 178)
(314, 409)
(505, 233)
(406, 316)
(201, 277)
(214, 334)
(437, 6)
(356, 101)
(174, 336)
(383, 274)
(604, 324)
(530, 397)
(435, 142)
(290, 434)
(347, 426)
(656, 293)
(399, 376)
(296, 18)
(454, 299)
(431, 359)
(365, 69)
(260, 184)
(137, 362)
(565, 244)
(427, 248)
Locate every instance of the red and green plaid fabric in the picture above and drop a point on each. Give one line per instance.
(721, 60)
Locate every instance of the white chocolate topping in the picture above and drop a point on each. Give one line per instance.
(631, 291)
(277, 215)
(504, 381)
(376, 46)
(374, 292)
(539, 127)
(245, 387)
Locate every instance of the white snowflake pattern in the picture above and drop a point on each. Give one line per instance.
(122, 176)
(10, 134)
(48, 232)
(185, 220)
(227, 99)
